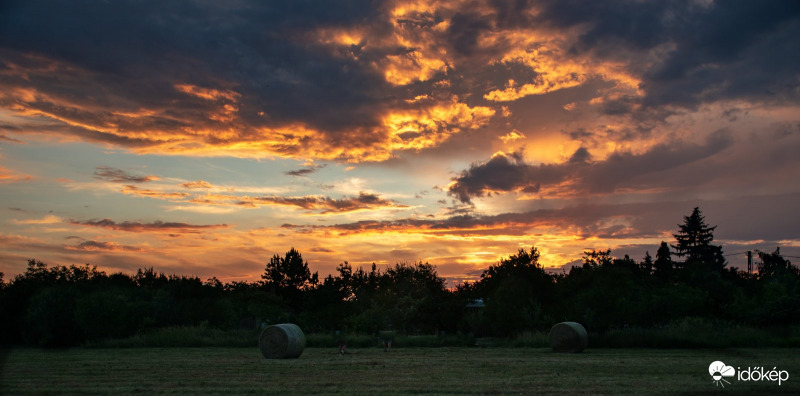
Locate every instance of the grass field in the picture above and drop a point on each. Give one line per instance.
(401, 371)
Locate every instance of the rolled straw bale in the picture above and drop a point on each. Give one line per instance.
(282, 341)
(568, 337)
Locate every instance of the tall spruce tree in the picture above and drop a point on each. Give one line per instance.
(647, 263)
(663, 265)
(694, 243)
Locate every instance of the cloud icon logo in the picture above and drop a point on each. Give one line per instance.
(718, 371)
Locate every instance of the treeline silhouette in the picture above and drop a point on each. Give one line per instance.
(62, 306)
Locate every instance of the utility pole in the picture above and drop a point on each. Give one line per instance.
(749, 262)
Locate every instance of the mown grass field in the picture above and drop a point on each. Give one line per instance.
(457, 370)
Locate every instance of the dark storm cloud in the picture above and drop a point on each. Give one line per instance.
(132, 33)
(141, 49)
(635, 24)
(464, 30)
(110, 71)
(504, 173)
(712, 50)
(120, 176)
(511, 13)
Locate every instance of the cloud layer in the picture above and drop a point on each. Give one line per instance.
(453, 131)
(120, 176)
(580, 175)
(370, 79)
(156, 226)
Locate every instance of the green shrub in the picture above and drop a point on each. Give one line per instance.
(110, 313)
(184, 336)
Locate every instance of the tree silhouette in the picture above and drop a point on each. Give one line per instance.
(663, 266)
(647, 263)
(63, 306)
(288, 276)
(516, 291)
(773, 265)
(694, 243)
(595, 258)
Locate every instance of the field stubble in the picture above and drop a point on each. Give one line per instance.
(454, 370)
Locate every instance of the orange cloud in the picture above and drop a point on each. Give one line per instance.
(10, 176)
(543, 52)
(552, 75)
(220, 199)
(512, 136)
(208, 93)
(197, 184)
(320, 204)
(222, 122)
(428, 127)
(128, 189)
(49, 219)
(410, 67)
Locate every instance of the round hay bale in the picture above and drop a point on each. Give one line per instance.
(282, 341)
(568, 337)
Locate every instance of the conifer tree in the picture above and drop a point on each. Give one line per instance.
(694, 243)
(647, 263)
(663, 266)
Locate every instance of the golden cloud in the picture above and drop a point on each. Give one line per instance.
(49, 219)
(10, 176)
(553, 72)
(413, 51)
(410, 67)
(208, 93)
(133, 190)
(512, 136)
(429, 127)
(197, 184)
(543, 53)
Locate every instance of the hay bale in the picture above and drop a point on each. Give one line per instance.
(282, 341)
(568, 337)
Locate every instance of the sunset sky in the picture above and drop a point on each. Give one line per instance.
(203, 137)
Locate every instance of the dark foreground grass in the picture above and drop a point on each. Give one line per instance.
(684, 334)
(447, 370)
